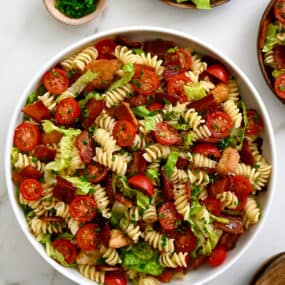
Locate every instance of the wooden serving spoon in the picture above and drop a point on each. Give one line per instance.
(272, 272)
(50, 6)
(191, 5)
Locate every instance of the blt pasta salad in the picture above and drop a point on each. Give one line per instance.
(139, 161)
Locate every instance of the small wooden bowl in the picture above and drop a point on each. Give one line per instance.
(50, 6)
(267, 17)
(191, 5)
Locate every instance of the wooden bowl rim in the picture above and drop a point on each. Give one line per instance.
(266, 76)
(192, 6)
(58, 15)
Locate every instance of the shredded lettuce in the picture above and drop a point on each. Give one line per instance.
(14, 154)
(170, 164)
(77, 87)
(49, 126)
(245, 122)
(143, 201)
(32, 98)
(117, 213)
(202, 4)
(150, 123)
(180, 127)
(271, 39)
(278, 72)
(129, 72)
(143, 112)
(153, 175)
(194, 91)
(189, 138)
(90, 95)
(138, 51)
(220, 219)
(83, 187)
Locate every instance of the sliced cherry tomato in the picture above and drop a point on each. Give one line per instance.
(145, 80)
(124, 112)
(124, 133)
(83, 208)
(180, 56)
(44, 153)
(85, 145)
(67, 111)
(171, 69)
(66, 248)
(31, 189)
(176, 84)
(26, 136)
(37, 111)
(142, 183)
(88, 236)
(137, 165)
(185, 242)
(255, 123)
(222, 184)
(115, 278)
(217, 256)
(219, 124)
(96, 172)
(165, 134)
(167, 216)
(155, 106)
(213, 205)
(53, 137)
(246, 155)
(137, 100)
(63, 190)
(219, 71)
(106, 48)
(242, 188)
(207, 149)
(166, 275)
(167, 186)
(91, 111)
(279, 10)
(56, 80)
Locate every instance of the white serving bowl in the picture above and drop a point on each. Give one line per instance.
(250, 96)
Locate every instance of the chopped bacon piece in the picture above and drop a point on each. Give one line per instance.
(222, 184)
(162, 97)
(137, 100)
(64, 190)
(196, 262)
(182, 162)
(92, 110)
(106, 268)
(124, 112)
(52, 219)
(27, 172)
(229, 161)
(85, 145)
(138, 164)
(44, 153)
(53, 137)
(205, 104)
(221, 92)
(118, 239)
(167, 186)
(246, 154)
(37, 111)
(228, 240)
(124, 41)
(158, 47)
(279, 56)
(105, 233)
(235, 226)
(109, 188)
(122, 199)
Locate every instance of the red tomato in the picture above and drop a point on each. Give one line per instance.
(207, 149)
(83, 208)
(145, 80)
(96, 172)
(217, 256)
(137, 100)
(67, 111)
(219, 124)
(31, 189)
(27, 172)
(255, 123)
(165, 134)
(91, 111)
(279, 10)
(155, 106)
(115, 278)
(167, 187)
(176, 84)
(242, 188)
(142, 183)
(213, 205)
(167, 216)
(219, 71)
(56, 80)
(124, 133)
(171, 69)
(66, 248)
(185, 242)
(222, 184)
(180, 56)
(106, 49)
(166, 275)
(85, 145)
(88, 236)
(124, 112)
(26, 136)
(37, 111)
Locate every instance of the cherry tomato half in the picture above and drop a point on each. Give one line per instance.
(185, 242)
(255, 123)
(219, 72)
(88, 236)
(142, 183)
(145, 80)
(56, 80)
(176, 85)
(31, 189)
(83, 208)
(165, 134)
(181, 57)
(124, 133)
(279, 11)
(115, 278)
(219, 124)
(207, 149)
(213, 205)
(67, 111)
(106, 49)
(167, 216)
(217, 256)
(155, 106)
(26, 136)
(96, 172)
(66, 248)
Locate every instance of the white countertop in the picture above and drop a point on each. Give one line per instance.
(30, 36)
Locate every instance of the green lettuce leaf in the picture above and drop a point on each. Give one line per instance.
(270, 40)
(153, 175)
(83, 187)
(278, 72)
(127, 76)
(188, 139)
(118, 212)
(143, 201)
(202, 4)
(170, 164)
(32, 98)
(194, 91)
(143, 112)
(90, 95)
(138, 51)
(14, 154)
(48, 127)
(150, 123)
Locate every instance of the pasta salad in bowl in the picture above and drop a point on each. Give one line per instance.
(134, 155)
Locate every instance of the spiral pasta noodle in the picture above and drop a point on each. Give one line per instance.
(48, 100)
(181, 202)
(202, 132)
(200, 160)
(193, 118)
(90, 272)
(84, 57)
(125, 55)
(106, 140)
(155, 152)
(198, 66)
(251, 212)
(148, 280)
(269, 59)
(39, 227)
(150, 215)
(73, 225)
(173, 260)
(67, 63)
(110, 255)
(23, 160)
(139, 142)
(62, 209)
(233, 90)
(102, 200)
(131, 230)
(232, 110)
(105, 122)
(228, 200)
(133, 214)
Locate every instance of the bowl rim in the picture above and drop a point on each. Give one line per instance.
(139, 29)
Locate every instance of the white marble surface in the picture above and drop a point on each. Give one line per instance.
(29, 37)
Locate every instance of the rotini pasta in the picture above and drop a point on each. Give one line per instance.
(131, 230)
(232, 110)
(90, 272)
(228, 199)
(84, 57)
(251, 212)
(173, 260)
(110, 255)
(102, 201)
(106, 140)
(155, 152)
